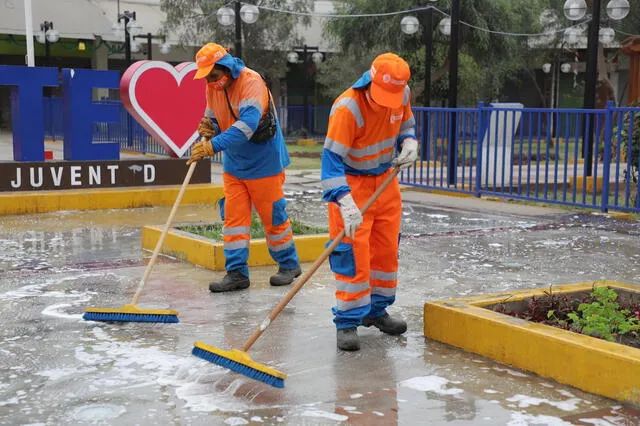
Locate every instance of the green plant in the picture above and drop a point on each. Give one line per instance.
(603, 317)
(214, 231)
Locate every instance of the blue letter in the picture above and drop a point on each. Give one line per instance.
(80, 114)
(27, 109)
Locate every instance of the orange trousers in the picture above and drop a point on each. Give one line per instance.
(366, 267)
(267, 196)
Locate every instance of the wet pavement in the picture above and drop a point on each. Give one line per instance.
(56, 368)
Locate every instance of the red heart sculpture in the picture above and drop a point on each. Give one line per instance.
(166, 101)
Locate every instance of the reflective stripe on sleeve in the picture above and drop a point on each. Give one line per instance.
(352, 106)
(244, 128)
(251, 102)
(335, 182)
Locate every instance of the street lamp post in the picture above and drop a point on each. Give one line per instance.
(452, 148)
(554, 98)
(247, 13)
(238, 22)
(164, 47)
(575, 10)
(316, 57)
(128, 25)
(47, 36)
(409, 26)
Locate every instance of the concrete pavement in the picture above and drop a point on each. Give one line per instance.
(56, 368)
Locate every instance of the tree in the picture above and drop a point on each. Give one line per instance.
(265, 42)
(486, 60)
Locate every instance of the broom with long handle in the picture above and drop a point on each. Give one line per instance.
(130, 312)
(238, 360)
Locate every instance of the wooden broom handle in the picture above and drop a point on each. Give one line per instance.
(314, 267)
(165, 231)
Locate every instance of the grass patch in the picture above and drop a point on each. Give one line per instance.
(301, 163)
(293, 148)
(214, 231)
(305, 157)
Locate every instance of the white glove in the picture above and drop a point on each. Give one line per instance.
(351, 215)
(408, 155)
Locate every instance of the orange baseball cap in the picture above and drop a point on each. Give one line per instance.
(389, 76)
(207, 57)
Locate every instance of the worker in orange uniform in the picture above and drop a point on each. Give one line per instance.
(368, 124)
(241, 121)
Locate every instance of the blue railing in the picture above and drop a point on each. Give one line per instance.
(532, 154)
(522, 153)
(133, 137)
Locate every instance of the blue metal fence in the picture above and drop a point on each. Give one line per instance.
(532, 154)
(523, 153)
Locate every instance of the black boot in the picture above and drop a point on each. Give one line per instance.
(234, 280)
(285, 276)
(347, 339)
(386, 324)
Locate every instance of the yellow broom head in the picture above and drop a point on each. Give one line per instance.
(240, 357)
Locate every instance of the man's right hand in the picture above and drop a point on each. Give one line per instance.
(200, 150)
(351, 216)
(205, 128)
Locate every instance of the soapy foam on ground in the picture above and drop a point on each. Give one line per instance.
(433, 384)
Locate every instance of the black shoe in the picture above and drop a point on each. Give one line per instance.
(285, 276)
(347, 339)
(386, 324)
(234, 280)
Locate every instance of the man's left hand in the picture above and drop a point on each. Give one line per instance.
(200, 150)
(408, 155)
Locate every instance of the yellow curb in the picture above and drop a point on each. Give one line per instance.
(593, 365)
(209, 254)
(623, 216)
(452, 193)
(574, 161)
(306, 142)
(581, 181)
(107, 198)
(425, 164)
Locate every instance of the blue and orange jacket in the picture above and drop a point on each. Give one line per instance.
(362, 139)
(249, 99)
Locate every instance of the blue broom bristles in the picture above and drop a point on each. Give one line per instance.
(122, 317)
(239, 368)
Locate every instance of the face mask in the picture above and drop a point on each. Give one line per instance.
(374, 106)
(220, 84)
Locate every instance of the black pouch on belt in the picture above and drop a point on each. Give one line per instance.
(268, 123)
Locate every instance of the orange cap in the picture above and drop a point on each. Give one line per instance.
(207, 57)
(389, 76)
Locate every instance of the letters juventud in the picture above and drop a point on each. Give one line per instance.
(28, 176)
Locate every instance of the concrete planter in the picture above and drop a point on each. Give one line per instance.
(593, 365)
(209, 253)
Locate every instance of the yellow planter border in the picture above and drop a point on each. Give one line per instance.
(591, 364)
(209, 254)
(108, 198)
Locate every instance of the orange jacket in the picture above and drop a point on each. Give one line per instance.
(249, 98)
(362, 137)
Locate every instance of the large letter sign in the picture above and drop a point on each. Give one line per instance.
(166, 101)
(80, 113)
(27, 110)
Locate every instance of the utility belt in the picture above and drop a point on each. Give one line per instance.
(268, 125)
